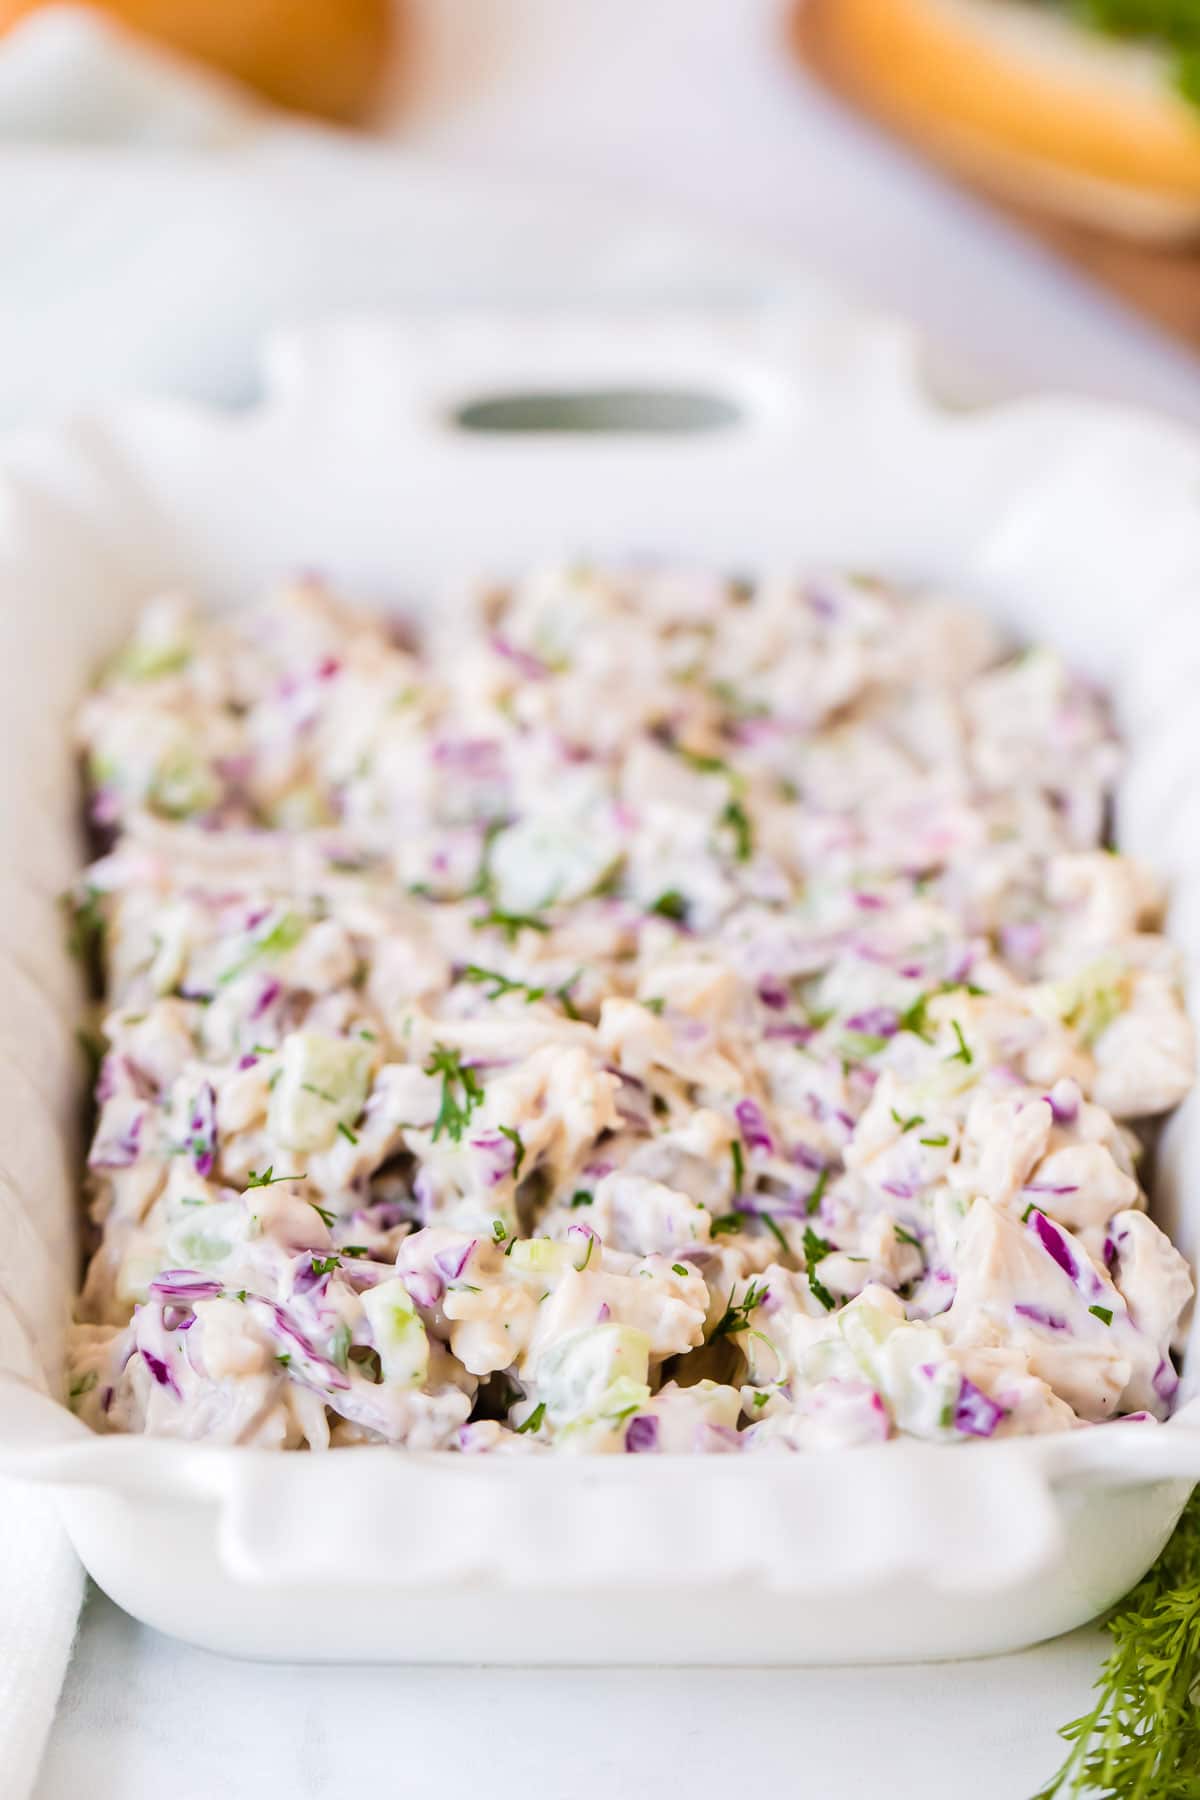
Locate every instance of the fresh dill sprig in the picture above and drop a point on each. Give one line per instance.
(816, 1248)
(515, 1139)
(736, 1316)
(461, 1091)
(512, 924)
(671, 905)
(534, 1421)
(737, 820)
(498, 985)
(1141, 1740)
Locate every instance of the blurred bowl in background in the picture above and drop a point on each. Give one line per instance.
(319, 56)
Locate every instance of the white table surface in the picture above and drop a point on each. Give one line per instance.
(684, 104)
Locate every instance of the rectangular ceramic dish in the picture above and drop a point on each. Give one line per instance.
(793, 437)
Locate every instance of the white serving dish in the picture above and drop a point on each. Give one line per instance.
(1072, 522)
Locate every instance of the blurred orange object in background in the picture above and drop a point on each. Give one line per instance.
(320, 56)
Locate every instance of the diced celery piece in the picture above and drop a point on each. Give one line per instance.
(540, 1256)
(183, 783)
(538, 862)
(399, 1334)
(576, 1376)
(322, 1084)
(1089, 1001)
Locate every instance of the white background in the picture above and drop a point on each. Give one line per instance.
(686, 107)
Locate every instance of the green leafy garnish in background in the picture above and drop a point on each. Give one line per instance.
(1141, 1740)
(1174, 25)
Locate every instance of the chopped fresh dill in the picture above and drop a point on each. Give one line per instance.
(461, 1091)
(512, 924)
(671, 905)
(769, 1221)
(913, 1018)
(735, 816)
(816, 1248)
(813, 1203)
(514, 1137)
(320, 1093)
(563, 995)
(907, 1124)
(736, 1316)
(497, 984)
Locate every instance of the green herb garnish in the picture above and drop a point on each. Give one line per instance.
(737, 1317)
(963, 1053)
(1141, 1740)
(351, 1137)
(514, 1137)
(739, 1165)
(461, 1091)
(913, 1018)
(703, 765)
(284, 935)
(1103, 1313)
(735, 816)
(534, 1420)
(815, 1249)
(769, 1221)
(268, 1178)
(908, 1124)
(512, 924)
(319, 1093)
(671, 905)
(498, 984)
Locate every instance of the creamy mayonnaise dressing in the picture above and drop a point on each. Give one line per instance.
(659, 1014)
